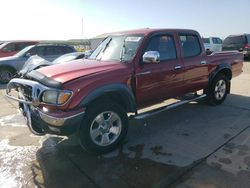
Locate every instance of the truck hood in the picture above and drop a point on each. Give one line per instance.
(65, 72)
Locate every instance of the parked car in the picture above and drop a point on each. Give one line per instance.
(11, 48)
(10, 65)
(127, 72)
(238, 42)
(212, 44)
(35, 62)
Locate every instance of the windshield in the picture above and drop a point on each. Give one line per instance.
(118, 48)
(24, 51)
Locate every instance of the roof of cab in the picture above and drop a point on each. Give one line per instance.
(147, 31)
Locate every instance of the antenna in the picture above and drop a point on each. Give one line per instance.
(82, 31)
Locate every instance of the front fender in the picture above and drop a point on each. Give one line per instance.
(121, 90)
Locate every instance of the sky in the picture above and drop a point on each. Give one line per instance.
(76, 19)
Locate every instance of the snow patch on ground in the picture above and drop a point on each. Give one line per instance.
(14, 160)
(16, 120)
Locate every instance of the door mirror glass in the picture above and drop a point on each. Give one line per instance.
(151, 57)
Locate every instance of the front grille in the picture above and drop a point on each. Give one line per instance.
(27, 92)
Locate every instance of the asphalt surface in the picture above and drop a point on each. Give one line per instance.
(194, 145)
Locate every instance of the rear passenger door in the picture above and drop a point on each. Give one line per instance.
(194, 62)
(158, 81)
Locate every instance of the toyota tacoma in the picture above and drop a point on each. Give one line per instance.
(127, 72)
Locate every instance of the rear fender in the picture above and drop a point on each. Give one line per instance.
(223, 68)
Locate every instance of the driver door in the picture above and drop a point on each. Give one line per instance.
(158, 81)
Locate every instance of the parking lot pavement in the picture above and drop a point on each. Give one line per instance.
(191, 146)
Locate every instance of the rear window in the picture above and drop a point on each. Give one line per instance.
(205, 40)
(241, 40)
(248, 39)
(190, 45)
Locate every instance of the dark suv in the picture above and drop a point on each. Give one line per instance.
(238, 42)
(10, 65)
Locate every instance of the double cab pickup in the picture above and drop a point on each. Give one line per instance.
(127, 72)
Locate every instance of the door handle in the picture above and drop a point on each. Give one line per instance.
(203, 62)
(143, 73)
(177, 67)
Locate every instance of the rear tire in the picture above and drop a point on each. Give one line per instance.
(104, 127)
(218, 90)
(6, 74)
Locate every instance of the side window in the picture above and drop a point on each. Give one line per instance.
(40, 50)
(53, 50)
(9, 47)
(190, 45)
(20, 46)
(32, 51)
(164, 44)
(66, 50)
(248, 39)
(215, 40)
(219, 41)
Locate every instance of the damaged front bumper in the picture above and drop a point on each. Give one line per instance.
(40, 120)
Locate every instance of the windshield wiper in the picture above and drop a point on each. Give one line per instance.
(103, 50)
(123, 50)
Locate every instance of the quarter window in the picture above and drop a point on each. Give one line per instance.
(164, 44)
(190, 45)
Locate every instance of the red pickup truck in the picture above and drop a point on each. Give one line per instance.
(128, 71)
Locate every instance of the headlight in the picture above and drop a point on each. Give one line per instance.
(56, 97)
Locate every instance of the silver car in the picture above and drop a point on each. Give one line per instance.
(10, 65)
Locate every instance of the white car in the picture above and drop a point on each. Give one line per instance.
(212, 44)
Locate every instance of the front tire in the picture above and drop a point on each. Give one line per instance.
(104, 127)
(6, 75)
(218, 90)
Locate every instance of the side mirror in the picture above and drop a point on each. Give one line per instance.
(241, 50)
(151, 57)
(27, 55)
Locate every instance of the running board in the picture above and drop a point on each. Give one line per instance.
(164, 108)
